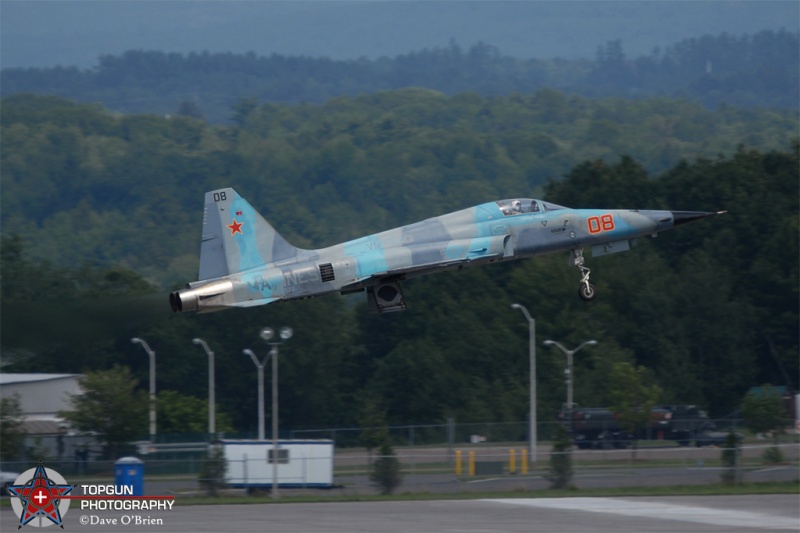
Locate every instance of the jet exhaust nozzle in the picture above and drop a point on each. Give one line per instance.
(208, 297)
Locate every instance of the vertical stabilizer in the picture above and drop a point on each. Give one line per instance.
(236, 238)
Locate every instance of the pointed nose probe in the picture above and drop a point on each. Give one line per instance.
(665, 220)
(684, 217)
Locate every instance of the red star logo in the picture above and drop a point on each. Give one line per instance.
(40, 497)
(236, 227)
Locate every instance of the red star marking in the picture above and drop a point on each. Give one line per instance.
(236, 227)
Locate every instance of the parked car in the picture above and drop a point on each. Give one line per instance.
(711, 438)
(7, 478)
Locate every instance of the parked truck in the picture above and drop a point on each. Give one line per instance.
(598, 427)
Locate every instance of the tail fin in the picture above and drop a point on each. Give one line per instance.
(236, 238)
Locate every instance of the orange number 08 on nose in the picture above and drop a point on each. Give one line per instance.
(601, 223)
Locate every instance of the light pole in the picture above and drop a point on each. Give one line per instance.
(212, 430)
(568, 371)
(260, 367)
(152, 355)
(267, 334)
(532, 378)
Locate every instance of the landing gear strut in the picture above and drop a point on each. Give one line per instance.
(585, 290)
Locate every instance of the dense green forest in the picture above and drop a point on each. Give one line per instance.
(129, 188)
(748, 70)
(101, 214)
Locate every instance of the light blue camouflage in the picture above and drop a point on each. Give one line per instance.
(244, 262)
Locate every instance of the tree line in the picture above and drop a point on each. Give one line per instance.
(748, 70)
(82, 185)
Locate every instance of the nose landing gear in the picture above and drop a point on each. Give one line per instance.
(585, 290)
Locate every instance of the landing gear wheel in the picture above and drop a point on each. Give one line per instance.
(586, 291)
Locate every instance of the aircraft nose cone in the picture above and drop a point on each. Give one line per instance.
(684, 217)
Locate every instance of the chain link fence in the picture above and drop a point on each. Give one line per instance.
(439, 458)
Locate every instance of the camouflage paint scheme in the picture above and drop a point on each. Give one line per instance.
(244, 262)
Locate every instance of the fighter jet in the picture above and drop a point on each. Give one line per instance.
(244, 262)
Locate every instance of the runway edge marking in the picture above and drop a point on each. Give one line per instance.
(649, 509)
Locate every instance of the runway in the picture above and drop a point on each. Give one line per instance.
(696, 514)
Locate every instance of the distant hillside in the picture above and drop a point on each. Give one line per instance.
(67, 34)
(750, 70)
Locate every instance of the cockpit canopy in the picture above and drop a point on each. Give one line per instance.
(518, 206)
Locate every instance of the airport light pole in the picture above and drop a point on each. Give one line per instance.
(212, 430)
(267, 334)
(260, 367)
(568, 371)
(152, 355)
(532, 379)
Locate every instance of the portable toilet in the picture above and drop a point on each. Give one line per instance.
(129, 471)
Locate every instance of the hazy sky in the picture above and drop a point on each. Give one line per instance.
(76, 32)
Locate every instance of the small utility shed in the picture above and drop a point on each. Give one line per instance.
(301, 463)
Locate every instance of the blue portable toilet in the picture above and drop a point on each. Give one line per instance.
(129, 471)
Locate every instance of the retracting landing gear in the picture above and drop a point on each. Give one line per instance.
(585, 290)
(385, 297)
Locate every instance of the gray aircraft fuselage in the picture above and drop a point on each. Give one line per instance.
(244, 262)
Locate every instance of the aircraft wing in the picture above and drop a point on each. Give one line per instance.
(406, 272)
(383, 288)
